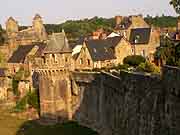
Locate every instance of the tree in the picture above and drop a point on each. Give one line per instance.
(134, 60)
(176, 5)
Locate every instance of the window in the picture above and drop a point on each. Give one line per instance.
(81, 61)
(143, 53)
(54, 58)
(66, 59)
(137, 39)
(44, 60)
(94, 49)
(106, 50)
(88, 62)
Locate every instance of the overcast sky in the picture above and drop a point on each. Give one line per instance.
(56, 11)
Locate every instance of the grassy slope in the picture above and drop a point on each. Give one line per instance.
(10, 125)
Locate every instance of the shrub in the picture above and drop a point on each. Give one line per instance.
(18, 75)
(15, 84)
(33, 99)
(124, 66)
(134, 60)
(21, 104)
(148, 67)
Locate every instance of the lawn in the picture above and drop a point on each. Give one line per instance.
(11, 125)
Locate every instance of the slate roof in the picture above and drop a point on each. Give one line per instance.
(141, 35)
(58, 43)
(101, 50)
(20, 54)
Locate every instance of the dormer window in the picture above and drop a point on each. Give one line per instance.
(106, 50)
(94, 49)
(137, 39)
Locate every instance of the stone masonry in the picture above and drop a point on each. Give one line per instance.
(121, 104)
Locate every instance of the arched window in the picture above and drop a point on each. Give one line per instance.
(88, 61)
(54, 58)
(81, 61)
(44, 60)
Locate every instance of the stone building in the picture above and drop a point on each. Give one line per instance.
(55, 67)
(103, 53)
(34, 33)
(4, 84)
(144, 38)
(144, 42)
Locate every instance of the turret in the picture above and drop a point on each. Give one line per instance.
(39, 27)
(11, 26)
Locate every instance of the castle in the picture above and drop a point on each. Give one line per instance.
(111, 103)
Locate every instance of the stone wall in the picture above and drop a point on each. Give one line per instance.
(54, 95)
(128, 104)
(123, 103)
(171, 86)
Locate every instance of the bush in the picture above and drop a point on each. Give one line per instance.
(15, 84)
(148, 67)
(134, 60)
(21, 104)
(124, 66)
(19, 74)
(33, 99)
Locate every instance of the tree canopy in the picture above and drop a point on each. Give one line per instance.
(176, 5)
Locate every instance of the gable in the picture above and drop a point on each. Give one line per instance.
(84, 53)
(123, 44)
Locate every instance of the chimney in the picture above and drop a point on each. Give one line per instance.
(103, 36)
(178, 24)
(177, 36)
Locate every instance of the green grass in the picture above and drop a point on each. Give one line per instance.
(10, 125)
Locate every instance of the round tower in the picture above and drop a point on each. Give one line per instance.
(11, 26)
(39, 27)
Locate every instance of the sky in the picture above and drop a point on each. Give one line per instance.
(57, 11)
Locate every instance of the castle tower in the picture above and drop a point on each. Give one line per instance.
(39, 27)
(11, 26)
(54, 80)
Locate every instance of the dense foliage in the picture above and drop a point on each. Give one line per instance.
(134, 60)
(169, 52)
(148, 67)
(77, 28)
(31, 99)
(15, 84)
(176, 5)
(161, 21)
